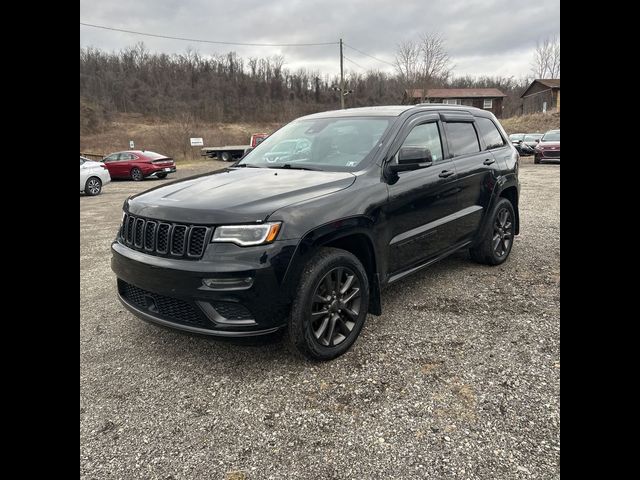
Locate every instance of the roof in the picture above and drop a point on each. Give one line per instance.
(547, 82)
(392, 110)
(456, 93)
(381, 111)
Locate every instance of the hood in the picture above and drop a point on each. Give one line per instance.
(235, 195)
(549, 144)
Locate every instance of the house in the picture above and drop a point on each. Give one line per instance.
(543, 95)
(486, 98)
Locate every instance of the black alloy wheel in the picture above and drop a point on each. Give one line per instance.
(330, 305)
(496, 240)
(502, 232)
(335, 306)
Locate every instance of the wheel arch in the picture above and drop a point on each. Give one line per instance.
(351, 234)
(509, 188)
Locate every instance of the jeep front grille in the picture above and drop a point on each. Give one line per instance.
(163, 238)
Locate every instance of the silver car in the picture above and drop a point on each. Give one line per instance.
(93, 175)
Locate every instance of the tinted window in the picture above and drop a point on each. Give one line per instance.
(426, 135)
(490, 133)
(462, 138)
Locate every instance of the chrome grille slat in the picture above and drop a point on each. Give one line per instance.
(164, 239)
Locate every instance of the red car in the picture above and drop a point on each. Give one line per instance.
(139, 164)
(548, 148)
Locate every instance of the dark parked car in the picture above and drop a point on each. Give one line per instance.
(139, 164)
(525, 142)
(529, 142)
(309, 243)
(516, 138)
(548, 148)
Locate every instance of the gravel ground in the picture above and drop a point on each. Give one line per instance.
(460, 378)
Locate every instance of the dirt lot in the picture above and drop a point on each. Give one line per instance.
(458, 379)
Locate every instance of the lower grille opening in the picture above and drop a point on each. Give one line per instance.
(168, 308)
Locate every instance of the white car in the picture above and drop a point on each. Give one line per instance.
(93, 175)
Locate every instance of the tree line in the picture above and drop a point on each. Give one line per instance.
(229, 88)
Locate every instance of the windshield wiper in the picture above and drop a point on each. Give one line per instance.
(248, 165)
(293, 167)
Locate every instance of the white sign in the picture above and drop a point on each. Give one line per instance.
(196, 142)
(131, 146)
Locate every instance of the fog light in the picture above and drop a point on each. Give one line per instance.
(228, 283)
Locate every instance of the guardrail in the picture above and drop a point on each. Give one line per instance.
(91, 156)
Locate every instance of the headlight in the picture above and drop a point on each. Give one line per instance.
(246, 235)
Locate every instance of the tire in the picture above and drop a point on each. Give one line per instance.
(161, 175)
(226, 156)
(496, 245)
(136, 174)
(93, 186)
(325, 337)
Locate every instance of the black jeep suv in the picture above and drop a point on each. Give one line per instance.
(306, 237)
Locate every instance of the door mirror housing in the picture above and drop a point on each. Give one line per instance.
(411, 158)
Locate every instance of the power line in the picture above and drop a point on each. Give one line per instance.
(209, 41)
(364, 53)
(355, 63)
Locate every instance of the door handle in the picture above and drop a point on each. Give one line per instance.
(446, 173)
(489, 161)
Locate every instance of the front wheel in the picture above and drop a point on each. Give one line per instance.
(331, 305)
(496, 245)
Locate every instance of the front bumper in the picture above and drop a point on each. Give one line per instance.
(552, 155)
(170, 292)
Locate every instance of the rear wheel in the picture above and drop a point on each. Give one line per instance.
(496, 245)
(136, 174)
(331, 305)
(93, 186)
(225, 156)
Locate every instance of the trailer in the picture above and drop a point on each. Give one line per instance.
(229, 153)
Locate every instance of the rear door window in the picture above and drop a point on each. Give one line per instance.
(462, 138)
(490, 134)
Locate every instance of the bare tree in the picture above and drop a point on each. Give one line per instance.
(546, 58)
(423, 63)
(408, 63)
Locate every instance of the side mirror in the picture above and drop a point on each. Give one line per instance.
(537, 140)
(412, 158)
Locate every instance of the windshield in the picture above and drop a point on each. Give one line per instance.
(330, 144)
(514, 137)
(551, 137)
(532, 138)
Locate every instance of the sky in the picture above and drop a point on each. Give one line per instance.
(482, 37)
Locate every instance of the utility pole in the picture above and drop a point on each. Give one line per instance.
(341, 79)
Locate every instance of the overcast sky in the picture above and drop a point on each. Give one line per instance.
(483, 37)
